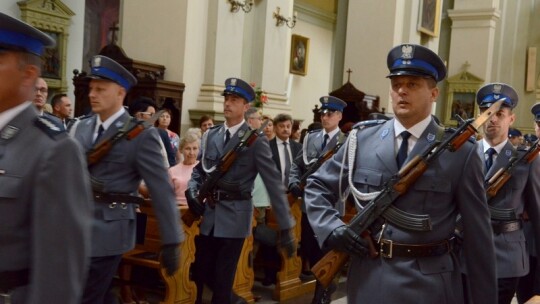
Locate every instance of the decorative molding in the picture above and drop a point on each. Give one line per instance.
(311, 14)
(474, 18)
(53, 17)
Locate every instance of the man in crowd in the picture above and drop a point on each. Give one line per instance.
(518, 195)
(515, 137)
(411, 265)
(117, 175)
(315, 145)
(143, 108)
(284, 151)
(44, 225)
(61, 105)
(226, 224)
(42, 92)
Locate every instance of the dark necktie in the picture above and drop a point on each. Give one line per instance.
(227, 137)
(325, 141)
(287, 163)
(99, 132)
(489, 161)
(403, 149)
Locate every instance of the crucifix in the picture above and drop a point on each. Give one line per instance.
(349, 71)
(113, 29)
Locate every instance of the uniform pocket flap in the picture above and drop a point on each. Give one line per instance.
(10, 186)
(368, 177)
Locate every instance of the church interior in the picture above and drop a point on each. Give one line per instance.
(292, 52)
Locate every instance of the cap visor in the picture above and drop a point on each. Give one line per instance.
(409, 73)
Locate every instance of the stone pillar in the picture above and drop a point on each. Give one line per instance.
(473, 28)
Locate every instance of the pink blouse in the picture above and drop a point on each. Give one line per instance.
(180, 175)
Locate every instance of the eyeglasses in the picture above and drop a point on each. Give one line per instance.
(41, 90)
(253, 117)
(146, 113)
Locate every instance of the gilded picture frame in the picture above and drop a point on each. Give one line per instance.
(429, 18)
(299, 55)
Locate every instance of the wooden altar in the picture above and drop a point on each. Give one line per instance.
(359, 104)
(150, 83)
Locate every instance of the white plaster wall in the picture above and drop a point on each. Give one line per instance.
(370, 35)
(306, 90)
(373, 29)
(148, 34)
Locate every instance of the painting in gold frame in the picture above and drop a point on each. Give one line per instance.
(429, 19)
(299, 55)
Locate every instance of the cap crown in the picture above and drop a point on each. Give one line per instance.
(239, 87)
(492, 92)
(21, 36)
(332, 103)
(103, 67)
(415, 60)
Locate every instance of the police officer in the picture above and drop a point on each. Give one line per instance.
(521, 193)
(116, 178)
(412, 265)
(526, 288)
(45, 204)
(224, 228)
(316, 144)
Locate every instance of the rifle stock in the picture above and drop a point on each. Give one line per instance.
(500, 178)
(99, 152)
(326, 268)
(497, 181)
(188, 217)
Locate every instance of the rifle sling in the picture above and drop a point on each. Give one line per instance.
(115, 138)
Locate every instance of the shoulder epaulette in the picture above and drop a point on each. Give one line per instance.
(369, 123)
(50, 127)
(471, 139)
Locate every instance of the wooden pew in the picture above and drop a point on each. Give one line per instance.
(179, 289)
(288, 283)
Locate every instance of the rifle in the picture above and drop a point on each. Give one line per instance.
(313, 168)
(333, 261)
(500, 178)
(97, 152)
(222, 167)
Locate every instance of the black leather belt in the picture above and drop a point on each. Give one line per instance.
(389, 249)
(102, 197)
(10, 280)
(230, 196)
(503, 227)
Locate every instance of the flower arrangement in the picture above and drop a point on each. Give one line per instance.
(260, 97)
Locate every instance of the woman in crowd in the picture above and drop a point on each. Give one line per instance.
(163, 123)
(181, 173)
(269, 129)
